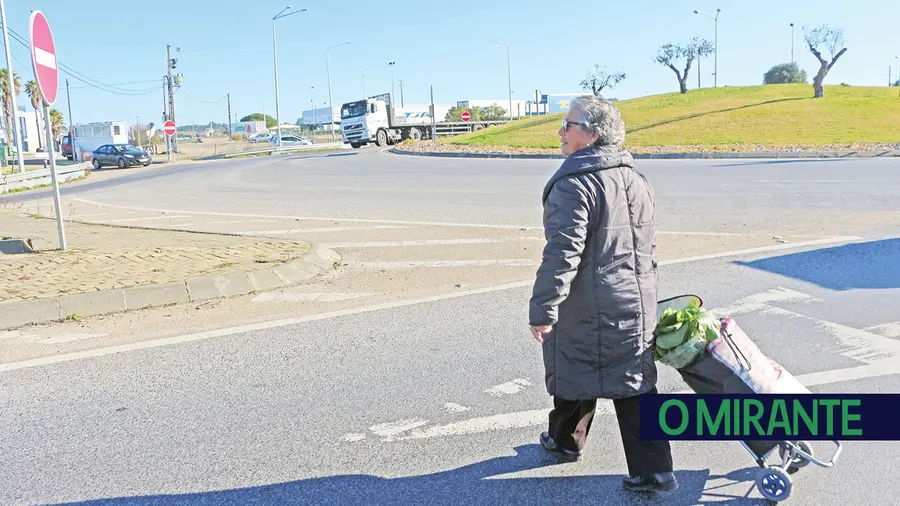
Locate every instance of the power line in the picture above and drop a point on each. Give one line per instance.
(75, 74)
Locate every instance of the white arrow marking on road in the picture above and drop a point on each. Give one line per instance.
(389, 430)
(44, 58)
(759, 301)
(891, 330)
(452, 407)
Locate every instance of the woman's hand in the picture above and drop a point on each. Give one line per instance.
(539, 330)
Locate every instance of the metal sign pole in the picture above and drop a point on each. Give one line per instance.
(56, 200)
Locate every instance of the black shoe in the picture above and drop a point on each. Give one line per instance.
(550, 445)
(662, 482)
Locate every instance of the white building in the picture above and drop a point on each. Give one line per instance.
(322, 117)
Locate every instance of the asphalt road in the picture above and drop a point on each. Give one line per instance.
(828, 196)
(438, 402)
(442, 401)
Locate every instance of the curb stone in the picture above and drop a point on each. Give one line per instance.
(317, 260)
(669, 156)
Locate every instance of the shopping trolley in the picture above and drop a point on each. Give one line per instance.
(724, 367)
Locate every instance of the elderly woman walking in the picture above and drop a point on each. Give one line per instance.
(593, 304)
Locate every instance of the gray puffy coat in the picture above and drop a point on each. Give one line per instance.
(597, 283)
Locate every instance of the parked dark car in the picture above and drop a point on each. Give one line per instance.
(120, 155)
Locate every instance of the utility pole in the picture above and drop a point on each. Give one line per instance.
(71, 123)
(792, 43)
(169, 66)
(229, 115)
(14, 121)
(401, 93)
(391, 65)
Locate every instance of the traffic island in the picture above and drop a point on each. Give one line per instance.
(108, 269)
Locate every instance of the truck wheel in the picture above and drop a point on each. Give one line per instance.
(414, 134)
(354, 145)
(381, 138)
(477, 128)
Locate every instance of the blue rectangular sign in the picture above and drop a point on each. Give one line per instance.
(793, 417)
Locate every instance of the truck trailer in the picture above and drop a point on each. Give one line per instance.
(376, 120)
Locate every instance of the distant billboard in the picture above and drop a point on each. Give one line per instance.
(559, 103)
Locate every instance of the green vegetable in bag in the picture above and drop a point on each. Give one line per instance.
(682, 335)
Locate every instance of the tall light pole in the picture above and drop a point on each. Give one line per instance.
(275, 55)
(391, 65)
(328, 70)
(14, 121)
(792, 44)
(508, 75)
(716, 19)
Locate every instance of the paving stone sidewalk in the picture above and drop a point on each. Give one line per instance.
(103, 265)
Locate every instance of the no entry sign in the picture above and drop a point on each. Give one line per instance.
(43, 57)
(466, 116)
(169, 127)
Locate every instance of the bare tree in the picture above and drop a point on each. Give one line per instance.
(831, 39)
(596, 80)
(670, 54)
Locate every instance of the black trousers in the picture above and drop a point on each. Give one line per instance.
(570, 424)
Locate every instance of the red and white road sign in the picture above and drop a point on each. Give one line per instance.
(466, 116)
(169, 127)
(43, 57)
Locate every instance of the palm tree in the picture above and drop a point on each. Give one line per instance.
(56, 122)
(34, 91)
(8, 103)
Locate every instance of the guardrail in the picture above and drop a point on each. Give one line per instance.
(32, 178)
(276, 149)
(459, 128)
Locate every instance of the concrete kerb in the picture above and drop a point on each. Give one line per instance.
(668, 156)
(317, 260)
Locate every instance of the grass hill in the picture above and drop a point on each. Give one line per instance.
(772, 117)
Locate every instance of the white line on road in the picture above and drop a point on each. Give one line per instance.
(760, 301)
(313, 230)
(538, 417)
(891, 330)
(452, 407)
(509, 262)
(766, 249)
(308, 297)
(427, 242)
(509, 388)
(144, 218)
(99, 352)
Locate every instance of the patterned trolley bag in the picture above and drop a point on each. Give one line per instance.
(733, 364)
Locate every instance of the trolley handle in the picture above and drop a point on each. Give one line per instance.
(831, 463)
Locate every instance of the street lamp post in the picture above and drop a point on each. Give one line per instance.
(275, 56)
(792, 44)
(508, 76)
(328, 70)
(716, 19)
(391, 65)
(14, 121)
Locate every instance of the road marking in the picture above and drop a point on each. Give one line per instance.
(818, 181)
(452, 407)
(538, 417)
(308, 297)
(759, 301)
(509, 388)
(123, 220)
(427, 242)
(509, 262)
(766, 249)
(311, 230)
(351, 438)
(713, 234)
(891, 330)
(185, 338)
(388, 430)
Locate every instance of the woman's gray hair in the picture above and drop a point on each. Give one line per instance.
(602, 118)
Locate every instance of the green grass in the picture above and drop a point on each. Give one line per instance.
(774, 116)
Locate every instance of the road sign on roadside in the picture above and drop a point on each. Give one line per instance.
(169, 127)
(466, 116)
(43, 57)
(46, 73)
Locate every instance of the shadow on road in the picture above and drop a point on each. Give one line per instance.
(471, 485)
(865, 265)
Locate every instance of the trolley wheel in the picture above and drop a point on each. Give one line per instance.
(774, 483)
(798, 462)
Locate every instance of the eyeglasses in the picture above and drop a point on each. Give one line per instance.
(566, 123)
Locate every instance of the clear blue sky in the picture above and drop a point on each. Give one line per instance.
(227, 48)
